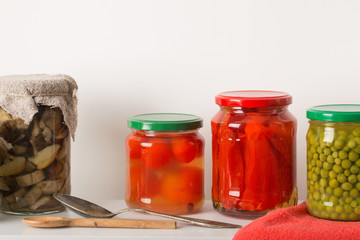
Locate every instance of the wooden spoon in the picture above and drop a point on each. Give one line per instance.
(54, 222)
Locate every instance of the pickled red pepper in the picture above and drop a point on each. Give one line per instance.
(253, 159)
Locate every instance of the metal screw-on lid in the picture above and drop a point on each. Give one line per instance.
(253, 99)
(165, 122)
(335, 113)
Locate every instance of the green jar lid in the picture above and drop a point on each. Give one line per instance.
(165, 122)
(335, 113)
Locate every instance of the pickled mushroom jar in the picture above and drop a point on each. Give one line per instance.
(254, 153)
(164, 171)
(333, 162)
(37, 119)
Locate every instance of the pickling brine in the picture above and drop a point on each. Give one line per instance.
(254, 153)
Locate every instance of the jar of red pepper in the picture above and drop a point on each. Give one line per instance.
(165, 170)
(254, 153)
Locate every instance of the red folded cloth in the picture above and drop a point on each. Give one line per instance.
(296, 223)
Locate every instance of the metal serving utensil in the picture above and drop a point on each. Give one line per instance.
(88, 209)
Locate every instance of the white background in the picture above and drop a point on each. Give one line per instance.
(132, 57)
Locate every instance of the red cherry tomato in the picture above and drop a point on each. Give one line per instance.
(156, 155)
(143, 183)
(134, 147)
(184, 149)
(184, 186)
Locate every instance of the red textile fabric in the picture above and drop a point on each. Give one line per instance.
(296, 223)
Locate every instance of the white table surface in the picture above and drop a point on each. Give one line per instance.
(11, 227)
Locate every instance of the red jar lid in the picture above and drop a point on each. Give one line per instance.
(253, 99)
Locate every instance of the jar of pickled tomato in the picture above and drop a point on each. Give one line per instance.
(254, 153)
(333, 162)
(165, 171)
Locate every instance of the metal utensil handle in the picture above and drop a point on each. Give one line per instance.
(196, 221)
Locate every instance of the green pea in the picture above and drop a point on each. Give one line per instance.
(329, 209)
(348, 200)
(342, 201)
(345, 194)
(334, 200)
(329, 190)
(354, 169)
(314, 177)
(318, 163)
(317, 186)
(319, 150)
(346, 163)
(339, 209)
(353, 216)
(322, 157)
(347, 172)
(325, 215)
(316, 156)
(348, 208)
(320, 206)
(339, 143)
(338, 192)
(343, 154)
(330, 159)
(312, 149)
(324, 197)
(333, 183)
(332, 174)
(346, 148)
(357, 149)
(313, 162)
(327, 165)
(357, 163)
(317, 170)
(354, 193)
(341, 178)
(316, 195)
(357, 210)
(352, 178)
(346, 186)
(324, 173)
(337, 161)
(335, 154)
(357, 186)
(358, 177)
(327, 151)
(343, 216)
(353, 156)
(351, 144)
(323, 182)
(338, 169)
(313, 204)
(353, 203)
(334, 216)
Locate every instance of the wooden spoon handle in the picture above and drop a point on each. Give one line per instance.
(122, 223)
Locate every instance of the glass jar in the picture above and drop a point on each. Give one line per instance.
(37, 119)
(333, 163)
(164, 171)
(36, 164)
(254, 153)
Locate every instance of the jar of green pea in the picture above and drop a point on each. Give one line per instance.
(333, 162)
